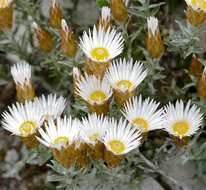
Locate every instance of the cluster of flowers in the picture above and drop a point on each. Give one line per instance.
(69, 139)
(39, 119)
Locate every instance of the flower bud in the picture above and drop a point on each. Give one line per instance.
(55, 15)
(154, 42)
(195, 67)
(68, 44)
(104, 20)
(6, 13)
(201, 87)
(119, 9)
(45, 40)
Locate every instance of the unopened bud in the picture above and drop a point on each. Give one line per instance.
(6, 13)
(201, 87)
(45, 40)
(195, 67)
(21, 73)
(104, 20)
(154, 42)
(119, 9)
(68, 44)
(55, 15)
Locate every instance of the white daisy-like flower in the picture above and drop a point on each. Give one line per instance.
(61, 134)
(120, 138)
(21, 73)
(93, 128)
(105, 13)
(152, 24)
(143, 114)
(180, 121)
(197, 4)
(101, 46)
(94, 90)
(5, 3)
(51, 106)
(22, 120)
(124, 75)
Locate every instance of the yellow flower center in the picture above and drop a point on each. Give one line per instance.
(2, 3)
(117, 145)
(100, 53)
(61, 140)
(199, 3)
(181, 127)
(93, 137)
(125, 84)
(141, 123)
(27, 127)
(98, 96)
(48, 116)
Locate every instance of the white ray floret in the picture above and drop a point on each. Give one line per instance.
(93, 128)
(105, 13)
(61, 134)
(22, 120)
(120, 137)
(152, 24)
(143, 114)
(93, 89)
(180, 121)
(126, 2)
(101, 45)
(5, 3)
(197, 4)
(51, 106)
(124, 75)
(21, 73)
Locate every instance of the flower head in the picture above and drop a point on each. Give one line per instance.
(123, 75)
(197, 4)
(120, 137)
(101, 45)
(21, 73)
(62, 134)
(5, 3)
(93, 128)
(22, 120)
(51, 107)
(143, 114)
(94, 90)
(180, 121)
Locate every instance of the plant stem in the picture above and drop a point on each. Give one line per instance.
(166, 181)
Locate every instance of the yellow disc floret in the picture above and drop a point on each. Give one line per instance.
(181, 127)
(141, 123)
(201, 4)
(2, 3)
(27, 127)
(100, 53)
(93, 137)
(117, 146)
(125, 84)
(61, 139)
(98, 96)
